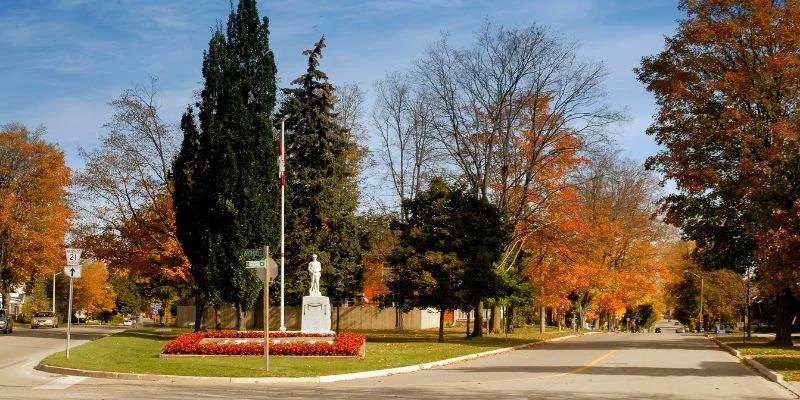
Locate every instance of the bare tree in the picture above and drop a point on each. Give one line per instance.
(501, 108)
(349, 108)
(511, 80)
(131, 168)
(403, 120)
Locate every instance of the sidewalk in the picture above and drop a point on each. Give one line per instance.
(791, 386)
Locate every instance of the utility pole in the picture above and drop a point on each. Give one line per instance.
(701, 296)
(54, 291)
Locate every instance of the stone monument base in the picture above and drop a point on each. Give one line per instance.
(316, 314)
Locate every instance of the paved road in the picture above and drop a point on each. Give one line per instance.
(618, 366)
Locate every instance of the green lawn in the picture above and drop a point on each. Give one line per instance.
(137, 351)
(783, 360)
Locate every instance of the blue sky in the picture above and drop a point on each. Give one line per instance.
(63, 61)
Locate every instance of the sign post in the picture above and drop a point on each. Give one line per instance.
(266, 309)
(265, 269)
(156, 307)
(73, 269)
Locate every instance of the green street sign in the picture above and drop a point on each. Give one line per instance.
(253, 253)
(256, 264)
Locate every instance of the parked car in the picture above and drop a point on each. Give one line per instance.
(680, 330)
(44, 318)
(6, 322)
(658, 330)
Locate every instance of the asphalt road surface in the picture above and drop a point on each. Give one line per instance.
(611, 366)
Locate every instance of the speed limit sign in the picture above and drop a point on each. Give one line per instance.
(74, 256)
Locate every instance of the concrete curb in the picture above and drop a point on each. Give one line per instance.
(278, 380)
(760, 368)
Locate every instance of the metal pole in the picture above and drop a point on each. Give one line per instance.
(54, 291)
(283, 188)
(701, 304)
(69, 316)
(266, 308)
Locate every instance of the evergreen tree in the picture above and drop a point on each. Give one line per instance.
(322, 165)
(226, 191)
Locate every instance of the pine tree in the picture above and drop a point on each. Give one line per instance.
(323, 162)
(226, 191)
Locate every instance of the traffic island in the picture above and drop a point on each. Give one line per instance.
(281, 343)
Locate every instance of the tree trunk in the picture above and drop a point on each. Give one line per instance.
(217, 323)
(337, 318)
(199, 310)
(6, 298)
(441, 325)
(783, 319)
(582, 311)
(510, 319)
(498, 320)
(558, 319)
(492, 320)
(400, 322)
(241, 318)
(468, 320)
(477, 330)
(542, 320)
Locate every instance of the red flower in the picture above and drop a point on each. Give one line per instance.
(345, 344)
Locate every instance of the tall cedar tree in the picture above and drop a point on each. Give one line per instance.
(447, 250)
(727, 89)
(226, 187)
(322, 165)
(34, 215)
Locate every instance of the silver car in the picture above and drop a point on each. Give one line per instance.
(44, 318)
(6, 322)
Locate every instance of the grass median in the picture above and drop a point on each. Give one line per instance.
(138, 351)
(783, 360)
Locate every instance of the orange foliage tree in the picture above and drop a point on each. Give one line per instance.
(727, 89)
(610, 252)
(93, 292)
(34, 215)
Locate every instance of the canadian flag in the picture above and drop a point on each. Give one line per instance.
(281, 163)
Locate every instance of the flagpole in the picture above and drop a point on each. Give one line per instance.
(283, 188)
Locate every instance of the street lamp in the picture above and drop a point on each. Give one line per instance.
(54, 290)
(686, 271)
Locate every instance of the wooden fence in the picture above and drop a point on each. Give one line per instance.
(355, 317)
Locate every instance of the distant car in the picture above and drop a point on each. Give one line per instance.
(129, 321)
(44, 318)
(677, 323)
(6, 322)
(658, 330)
(680, 330)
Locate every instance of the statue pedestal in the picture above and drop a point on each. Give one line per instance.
(316, 314)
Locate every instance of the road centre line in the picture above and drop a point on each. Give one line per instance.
(574, 371)
(62, 383)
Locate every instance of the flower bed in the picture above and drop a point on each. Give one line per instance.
(345, 344)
